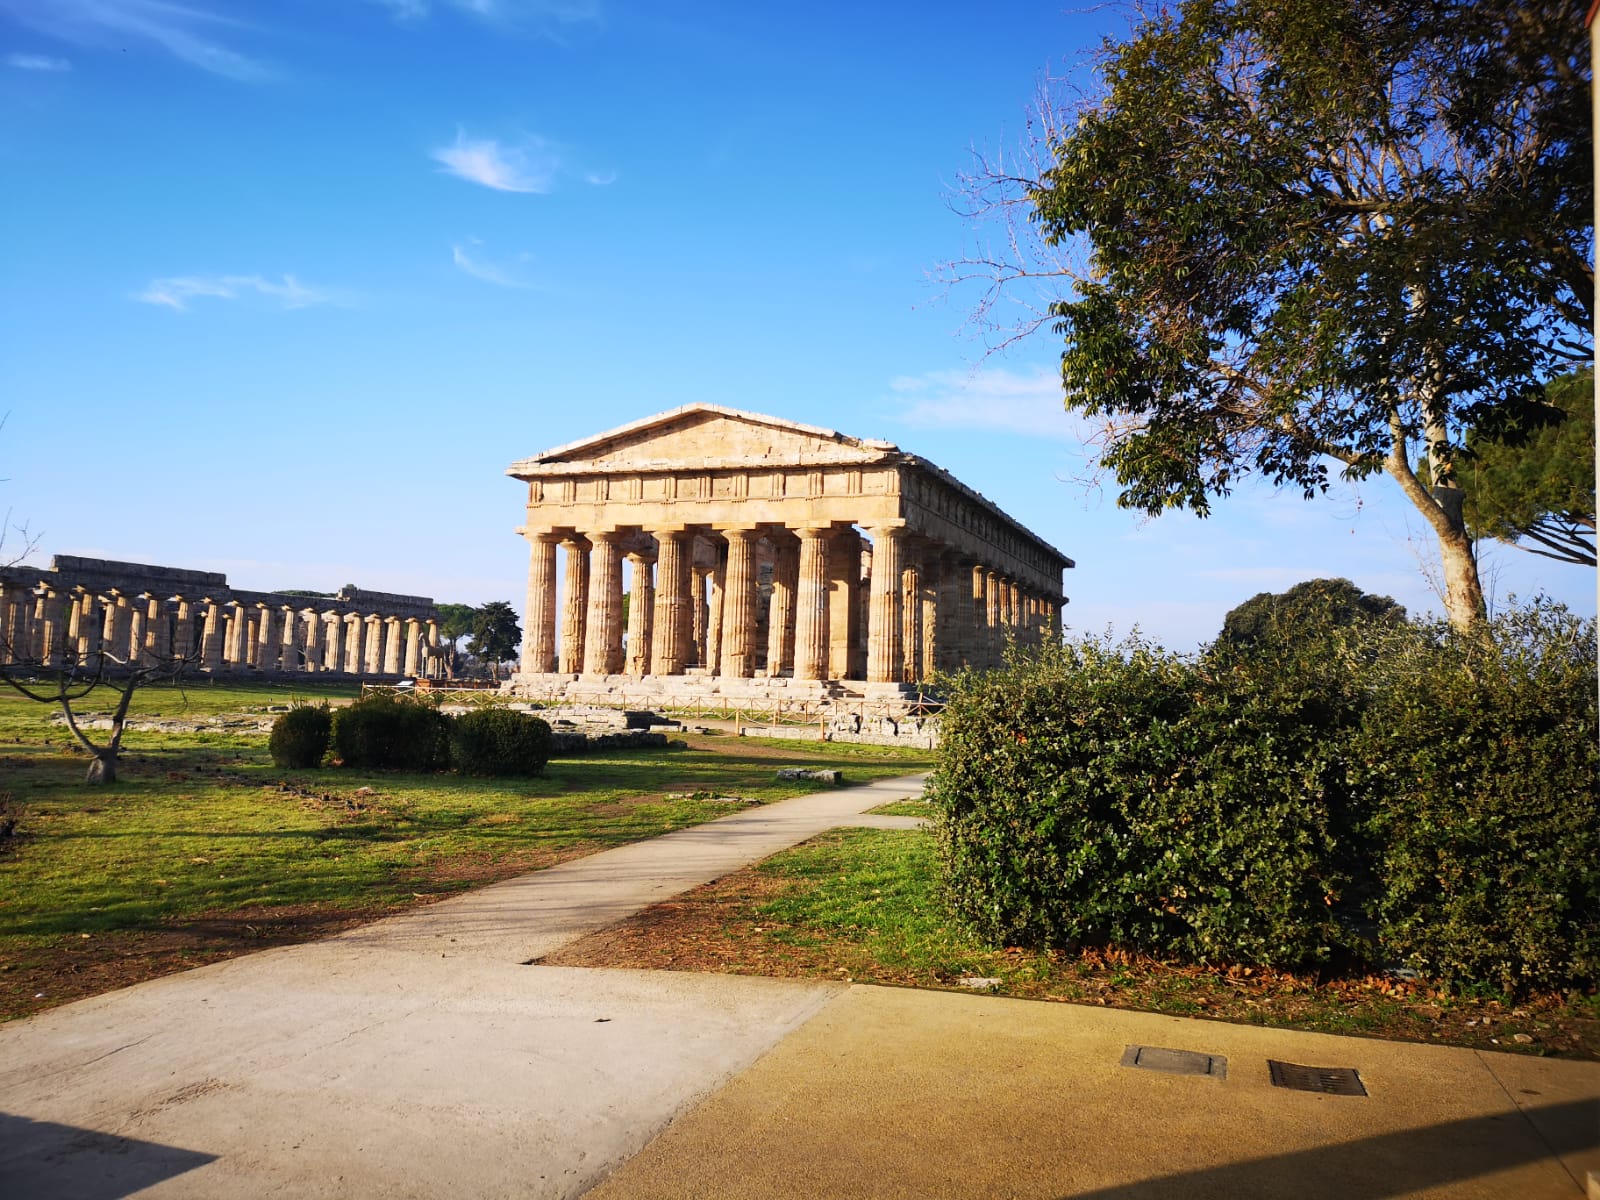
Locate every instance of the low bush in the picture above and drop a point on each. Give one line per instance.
(1479, 763)
(300, 736)
(384, 732)
(499, 741)
(1386, 791)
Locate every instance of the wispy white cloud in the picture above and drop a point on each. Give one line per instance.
(176, 291)
(992, 398)
(600, 178)
(37, 62)
(531, 166)
(545, 15)
(190, 32)
(480, 268)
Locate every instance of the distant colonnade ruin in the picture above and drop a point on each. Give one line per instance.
(766, 558)
(139, 614)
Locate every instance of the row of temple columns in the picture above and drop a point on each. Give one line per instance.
(833, 608)
(56, 628)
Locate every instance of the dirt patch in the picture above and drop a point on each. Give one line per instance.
(717, 928)
(622, 807)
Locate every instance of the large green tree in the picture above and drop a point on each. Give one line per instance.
(1539, 494)
(495, 634)
(455, 622)
(1334, 234)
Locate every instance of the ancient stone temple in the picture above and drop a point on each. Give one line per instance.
(138, 613)
(762, 557)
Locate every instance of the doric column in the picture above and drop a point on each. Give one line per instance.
(781, 616)
(238, 625)
(332, 640)
(433, 647)
(539, 640)
(372, 659)
(414, 647)
(911, 622)
(183, 631)
(269, 639)
(575, 611)
(211, 636)
(844, 608)
(641, 611)
(885, 632)
(391, 646)
(119, 621)
(157, 631)
(78, 625)
(811, 606)
(355, 636)
(739, 605)
(137, 655)
(700, 611)
(669, 650)
(310, 623)
(995, 616)
(716, 592)
(603, 635)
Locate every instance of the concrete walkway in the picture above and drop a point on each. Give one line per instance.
(418, 1057)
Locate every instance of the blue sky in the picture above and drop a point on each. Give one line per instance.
(288, 285)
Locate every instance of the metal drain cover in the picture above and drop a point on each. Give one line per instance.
(1331, 1081)
(1175, 1062)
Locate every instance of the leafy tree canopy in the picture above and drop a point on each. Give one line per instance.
(1539, 494)
(1346, 231)
(1304, 611)
(495, 633)
(455, 620)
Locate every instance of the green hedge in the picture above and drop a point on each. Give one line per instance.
(300, 736)
(1392, 793)
(386, 733)
(499, 741)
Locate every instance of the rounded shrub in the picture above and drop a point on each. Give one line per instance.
(384, 732)
(499, 741)
(300, 736)
(1479, 759)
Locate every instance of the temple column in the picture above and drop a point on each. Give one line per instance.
(269, 640)
(433, 646)
(414, 647)
(672, 621)
(332, 629)
(159, 631)
(885, 632)
(716, 592)
(391, 646)
(911, 622)
(372, 659)
(781, 618)
(238, 629)
(700, 607)
(138, 611)
(355, 630)
(948, 644)
(641, 610)
(844, 608)
(603, 635)
(575, 611)
(184, 642)
(119, 619)
(994, 608)
(211, 637)
(739, 605)
(310, 622)
(78, 626)
(539, 642)
(811, 606)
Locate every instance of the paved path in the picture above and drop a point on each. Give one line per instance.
(417, 1057)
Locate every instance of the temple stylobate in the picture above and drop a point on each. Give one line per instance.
(760, 556)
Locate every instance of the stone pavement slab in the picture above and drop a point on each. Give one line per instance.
(901, 1093)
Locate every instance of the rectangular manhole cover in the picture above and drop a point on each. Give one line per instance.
(1175, 1062)
(1331, 1081)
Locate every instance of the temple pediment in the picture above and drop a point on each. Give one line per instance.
(704, 436)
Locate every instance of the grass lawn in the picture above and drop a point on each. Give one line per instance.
(203, 849)
(863, 905)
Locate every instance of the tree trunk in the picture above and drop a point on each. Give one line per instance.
(1463, 598)
(102, 767)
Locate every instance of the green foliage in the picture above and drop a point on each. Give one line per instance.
(300, 736)
(1120, 794)
(383, 732)
(499, 741)
(1307, 610)
(495, 632)
(1380, 790)
(1325, 232)
(1480, 763)
(1541, 490)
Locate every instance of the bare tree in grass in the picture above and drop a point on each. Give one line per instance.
(79, 676)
